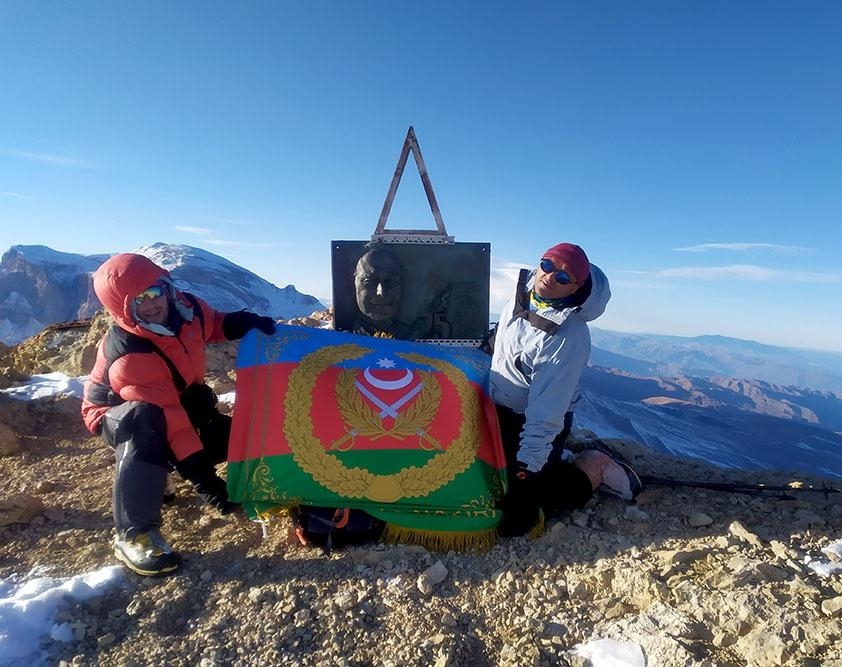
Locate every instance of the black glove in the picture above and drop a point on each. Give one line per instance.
(198, 470)
(235, 325)
(521, 505)
(215, 494)
(199, 402)
(215, 436)
(549, 496)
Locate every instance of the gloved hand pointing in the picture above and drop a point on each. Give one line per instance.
(235, 325)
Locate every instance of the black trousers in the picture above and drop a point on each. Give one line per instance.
(566, 487)
(138, 433)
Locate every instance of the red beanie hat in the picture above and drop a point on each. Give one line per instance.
(571, 256)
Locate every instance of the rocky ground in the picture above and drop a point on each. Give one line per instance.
(692, 576)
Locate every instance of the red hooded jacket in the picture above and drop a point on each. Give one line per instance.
(145, 376)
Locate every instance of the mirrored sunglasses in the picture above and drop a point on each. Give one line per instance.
(561, 277)
(151, 292)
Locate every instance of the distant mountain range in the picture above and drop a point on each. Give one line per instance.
(41, 286)
(732, 402)
(743, 424)
(710, 356)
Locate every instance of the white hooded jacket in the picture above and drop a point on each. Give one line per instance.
(536, 373)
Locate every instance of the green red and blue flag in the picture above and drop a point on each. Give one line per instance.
(405, 431)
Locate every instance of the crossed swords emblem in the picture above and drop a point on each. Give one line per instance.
(388, 409)
(406, 391)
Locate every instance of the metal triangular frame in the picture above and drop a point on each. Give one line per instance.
(438, 235)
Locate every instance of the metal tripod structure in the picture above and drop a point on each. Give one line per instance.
(438, 235)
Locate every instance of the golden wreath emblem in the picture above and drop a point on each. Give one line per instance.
(366, 423)
(411, 482)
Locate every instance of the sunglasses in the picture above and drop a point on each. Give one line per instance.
(561, 277)
(151, 292)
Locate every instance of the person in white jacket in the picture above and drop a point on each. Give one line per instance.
(541, 346)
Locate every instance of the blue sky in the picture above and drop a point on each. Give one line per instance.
(694, 149)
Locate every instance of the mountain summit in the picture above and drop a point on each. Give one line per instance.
(40, 286)
(227, 286)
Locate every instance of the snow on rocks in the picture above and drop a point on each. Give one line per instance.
(30, 611)
(611, 652)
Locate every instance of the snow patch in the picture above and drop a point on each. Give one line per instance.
(611, 653)
(46, 385)
(27, 611)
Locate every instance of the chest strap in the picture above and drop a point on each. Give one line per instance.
(522, 309)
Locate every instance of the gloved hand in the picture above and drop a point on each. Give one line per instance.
(235, 325)
(215, 493)
(199, 402)
(215, 436)
(198, 470)
(549, 496)
(521, 505)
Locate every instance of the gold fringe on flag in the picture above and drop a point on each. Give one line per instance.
(440, 540)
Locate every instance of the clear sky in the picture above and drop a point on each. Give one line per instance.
(694, 149)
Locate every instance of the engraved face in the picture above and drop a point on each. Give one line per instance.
(378, 281)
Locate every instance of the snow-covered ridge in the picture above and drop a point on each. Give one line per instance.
(40, 286)
(227, 286)
(43, 256)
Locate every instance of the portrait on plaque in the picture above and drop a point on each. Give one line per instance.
(411, 291)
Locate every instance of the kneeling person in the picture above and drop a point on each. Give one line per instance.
(541, 346)
(146, 397)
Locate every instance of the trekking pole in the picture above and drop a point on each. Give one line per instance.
(740, 487)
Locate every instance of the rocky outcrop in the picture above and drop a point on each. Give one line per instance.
(9, 443)
(20, 508)
(684, 577)
(69, 348)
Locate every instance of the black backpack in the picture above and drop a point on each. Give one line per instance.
(329, 527)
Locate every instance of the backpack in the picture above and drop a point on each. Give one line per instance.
(329, 527)
(521, 309)
(487, 343)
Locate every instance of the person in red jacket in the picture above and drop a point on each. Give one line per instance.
(146, 397)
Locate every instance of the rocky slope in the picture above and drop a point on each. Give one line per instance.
(692, 576)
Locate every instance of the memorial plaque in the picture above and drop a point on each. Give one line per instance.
(412, 291)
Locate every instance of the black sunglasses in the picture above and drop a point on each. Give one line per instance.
(561, 277)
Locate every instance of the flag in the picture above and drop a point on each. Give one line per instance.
(405, 431)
